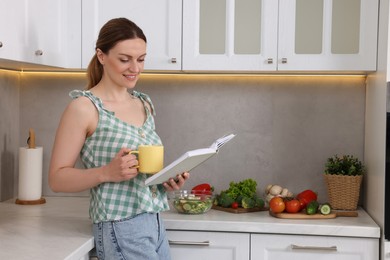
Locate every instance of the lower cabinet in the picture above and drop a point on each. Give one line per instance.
(195, 245)
(295, 247)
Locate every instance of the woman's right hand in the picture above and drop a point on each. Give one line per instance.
(121, 168)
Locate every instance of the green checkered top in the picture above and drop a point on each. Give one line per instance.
(119, 200)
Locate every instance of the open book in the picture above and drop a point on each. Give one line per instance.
(187, 161)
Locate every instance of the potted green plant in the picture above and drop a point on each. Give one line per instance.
(343, 176)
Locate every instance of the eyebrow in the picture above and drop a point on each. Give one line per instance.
(143, 55)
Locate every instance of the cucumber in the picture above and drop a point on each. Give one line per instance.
(187, 207)
(325, 209)
(312, 207)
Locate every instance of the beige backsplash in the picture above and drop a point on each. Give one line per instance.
(286, 126)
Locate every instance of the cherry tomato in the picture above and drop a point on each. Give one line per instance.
(203, 188)
(276, 205)
(305, 197)
(235, 205)
(292, 205)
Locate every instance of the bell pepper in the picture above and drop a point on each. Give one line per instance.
(305, 197)
(202, 189)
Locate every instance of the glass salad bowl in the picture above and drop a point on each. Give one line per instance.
(186, 202)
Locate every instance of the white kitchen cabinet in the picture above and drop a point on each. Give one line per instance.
(159, 19)
(230, 35)
(386, 249)
(46, 32)
(52, 33)
(195, 245)
(323, 35)
(284, 35)
(12, 20)
(295, 247)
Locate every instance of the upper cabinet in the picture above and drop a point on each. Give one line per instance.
(230, 35)
(289, 35)
(53, 33)
(328, 35)
(200, 35)
(12, 13)
(44, 32)
(161, 21)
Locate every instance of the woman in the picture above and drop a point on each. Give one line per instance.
(103, 124)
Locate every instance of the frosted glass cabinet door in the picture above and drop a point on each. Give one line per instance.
(12, 15)
(230, 35)
(327, 35)
(159, 19)
(53, 33)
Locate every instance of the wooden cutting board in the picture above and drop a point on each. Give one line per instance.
(238, 210)
(303, 215)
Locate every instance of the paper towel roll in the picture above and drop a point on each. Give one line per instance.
(30, 173)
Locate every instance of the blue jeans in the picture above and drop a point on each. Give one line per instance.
(142, 237)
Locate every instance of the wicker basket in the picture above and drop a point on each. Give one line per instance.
(343, 191)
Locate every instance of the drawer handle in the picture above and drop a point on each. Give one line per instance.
(327, 248)
(189, 243)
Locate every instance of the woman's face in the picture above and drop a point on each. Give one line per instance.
(124, 62)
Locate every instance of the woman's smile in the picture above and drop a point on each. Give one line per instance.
(130, 77)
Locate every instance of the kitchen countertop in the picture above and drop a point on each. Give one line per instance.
(262, 222)
(58, 229)
(61, 228)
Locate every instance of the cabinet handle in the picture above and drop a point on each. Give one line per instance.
(327, 248)
(38, 53)
(284, 60)
(189, 243)
(173, 60)
(1, 44)
(270, 61)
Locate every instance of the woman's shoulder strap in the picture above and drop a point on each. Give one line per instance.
(145, 98)
(88, 94)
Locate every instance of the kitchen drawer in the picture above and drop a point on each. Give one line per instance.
(191, 245)
(295, 247)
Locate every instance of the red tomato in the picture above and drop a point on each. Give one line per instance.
(292, 205)
(305, 197)
(276, 205)
(203, 188)
(235, 205)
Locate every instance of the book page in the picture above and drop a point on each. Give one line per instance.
(221, 141)
(187, 161)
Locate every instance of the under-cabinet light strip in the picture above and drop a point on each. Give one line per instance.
(183, 74)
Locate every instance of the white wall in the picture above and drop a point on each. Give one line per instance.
(375, 126)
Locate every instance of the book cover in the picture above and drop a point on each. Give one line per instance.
(187, 161)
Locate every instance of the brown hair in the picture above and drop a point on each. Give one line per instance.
(114, 31)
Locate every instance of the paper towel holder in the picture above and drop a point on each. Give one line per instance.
(31, 139)
(30, 202)
(31, 145)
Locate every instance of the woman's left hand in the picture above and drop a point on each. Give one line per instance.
(173, 184)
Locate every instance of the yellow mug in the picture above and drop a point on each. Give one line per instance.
(150, 158)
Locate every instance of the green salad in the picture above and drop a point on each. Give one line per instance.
(192, 204)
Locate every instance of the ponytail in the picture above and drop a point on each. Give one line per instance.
(94, 72)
